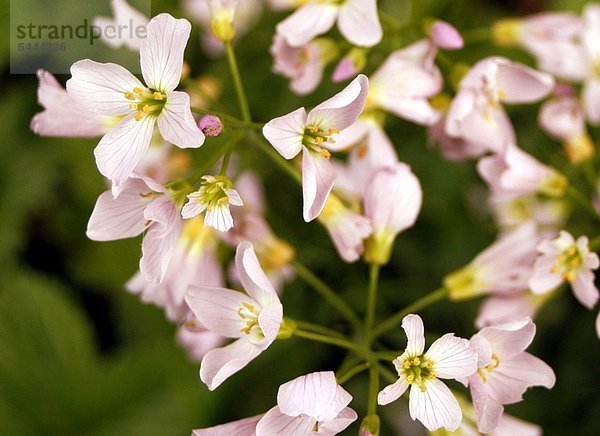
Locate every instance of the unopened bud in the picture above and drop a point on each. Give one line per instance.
(222, 14)
(369, 426)
(507, 32)
(210, 125)
(350, 65)
(445, 36)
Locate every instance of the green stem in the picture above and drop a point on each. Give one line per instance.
(387, 374)
(373, 389)
(316, 328)
(371, 301)
(278, 159)
(338, 342)
(230, 146)
(341, 379)
(580, 199)
(326, 292)
(418, 305)
(237, 81)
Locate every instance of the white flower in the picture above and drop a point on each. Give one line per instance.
(431, 402)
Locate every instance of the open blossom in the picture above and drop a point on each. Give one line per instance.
(109, 89)
(63, 116)
(393, 199)
(302, 65)
(253, 319)
(431, 402)
(357, 21)
(125, 28)
(565, 259)
(214, 197)
(309, 404)
(505, 371)
(503, 268)
(312, 133)
(563, 119)
(513, 173)
(476, 114)
(406, 80)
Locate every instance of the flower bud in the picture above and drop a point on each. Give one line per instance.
(445, 36)
(222, 14)
(393, 200)
(507, 32)
(210, 125)
(369, 426)
(350, 65)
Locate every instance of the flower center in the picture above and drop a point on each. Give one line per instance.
(213, 191)
(145, 101)
(568, 263)
(417, 370)
(489, 368)
(314, 138)
(249, 314)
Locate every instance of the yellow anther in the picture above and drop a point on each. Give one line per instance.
(406, 364)
(325, 153)
(248, 306)
(416, 361)
(482, 374)
(333, 131)
(146, 108)
(147, 194)
(319, 140)
(501, 94)
(134, 106)
(571, 251)
(312, 128)
(362, 151)
(158, 96)
(129, 96)
(138, 116)
(138, 90)
(495, 363)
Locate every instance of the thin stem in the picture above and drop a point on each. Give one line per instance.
(580, 199)
(371, 301)
(338, 342)
(373, 389)
(341, 379)
(418, 305)
(277, 159)
(326, 292)
(316, 328)
(237, 80)
(230, 146)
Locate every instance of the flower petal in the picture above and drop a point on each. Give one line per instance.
(217, 309)
(435, 407)
(275, 423)
(346, 417)
(160, 239)
(488, 410)
(219, 217)
(121, 217)
(161, 55)
(269, 321)
(392, 392)
(415, 332)
(359, 23)
(122, 148)
(176, 123)
(286, 133)
(591, 98)
(307, 22)
(521, 84)
(101, 88)
(318, 177)
(242, 427)
(584, 288)
(220, 364)
(452, 357)
(509, 339)
(253, 278)
(343, 109)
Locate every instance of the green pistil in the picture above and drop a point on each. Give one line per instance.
(213, 190)
(314, 138)
(417, 370)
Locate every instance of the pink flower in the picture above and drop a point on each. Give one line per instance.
(347, 229)
(357, 21)
(393, 199)
(564, 259)
(476, 115)
(311, 134)
(63, 116)
(214, 196)
(445, 36)
(431, 402)
(109, 89)
(196, 339)
(403, 84)
(503, 268)
(302, 65)
(253, 318)
(125, 17)
(563, 119)
(141, 206)
(505, 370)
(313, 403)
(512, 173)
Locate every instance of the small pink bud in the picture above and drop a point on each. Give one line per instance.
(445, 36)
(350, 65)
(210, 125)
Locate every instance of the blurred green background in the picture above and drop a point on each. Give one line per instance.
(79, 355)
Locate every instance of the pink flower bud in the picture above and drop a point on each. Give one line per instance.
(210, 125)
(445, 36)
(350, 65)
